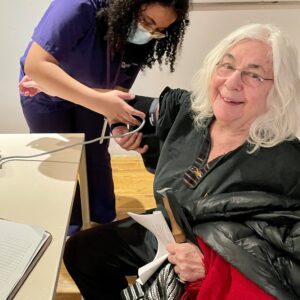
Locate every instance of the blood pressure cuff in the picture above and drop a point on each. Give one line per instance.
(147, 105)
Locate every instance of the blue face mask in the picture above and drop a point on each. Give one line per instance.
(140, 36)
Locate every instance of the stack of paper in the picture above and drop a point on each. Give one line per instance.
(157, 224)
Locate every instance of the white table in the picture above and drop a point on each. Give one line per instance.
(40, 191)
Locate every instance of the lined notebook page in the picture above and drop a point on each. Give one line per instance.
(19, 244)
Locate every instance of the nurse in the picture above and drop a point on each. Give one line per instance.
(84, 56)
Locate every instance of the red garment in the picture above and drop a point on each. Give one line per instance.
(222, 281)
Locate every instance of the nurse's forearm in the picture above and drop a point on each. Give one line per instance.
(58, 83)
(44, 69)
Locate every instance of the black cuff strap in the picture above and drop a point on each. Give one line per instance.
(147, 105)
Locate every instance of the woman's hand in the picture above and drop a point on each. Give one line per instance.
(130, 142)
(188, 261)
(116, 108)
(28, 87)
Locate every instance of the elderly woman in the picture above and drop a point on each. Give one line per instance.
(230, 154)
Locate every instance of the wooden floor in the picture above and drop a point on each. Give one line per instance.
(133, 189)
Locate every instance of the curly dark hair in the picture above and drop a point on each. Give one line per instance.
(119, 17)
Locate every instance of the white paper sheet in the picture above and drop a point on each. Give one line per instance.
(157, 224)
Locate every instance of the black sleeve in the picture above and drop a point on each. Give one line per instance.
(170, 102)
(150, 158)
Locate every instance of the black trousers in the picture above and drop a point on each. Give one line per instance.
(98, 259)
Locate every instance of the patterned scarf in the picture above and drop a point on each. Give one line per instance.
(163, 285)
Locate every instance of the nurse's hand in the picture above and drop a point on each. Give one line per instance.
(187, 260)
(116, 109)
(28, 87)
(130, 142)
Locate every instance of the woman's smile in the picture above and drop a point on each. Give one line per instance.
(230, 100)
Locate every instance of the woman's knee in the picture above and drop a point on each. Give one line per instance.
(80, 252)
(90, 250)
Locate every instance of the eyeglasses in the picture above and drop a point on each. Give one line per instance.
(249, 78)
(147, 25)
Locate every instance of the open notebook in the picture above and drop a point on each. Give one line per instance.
(21, 246)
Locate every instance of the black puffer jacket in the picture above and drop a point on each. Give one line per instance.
(256, 232)
(246, 207)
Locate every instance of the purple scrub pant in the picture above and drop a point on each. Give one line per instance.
(47, 116)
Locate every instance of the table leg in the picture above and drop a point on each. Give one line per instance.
(84, 195)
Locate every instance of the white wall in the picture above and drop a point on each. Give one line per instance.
(17, 20)
(206, 29)
(208, 25)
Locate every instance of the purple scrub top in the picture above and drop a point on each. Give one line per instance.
(68, 32)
